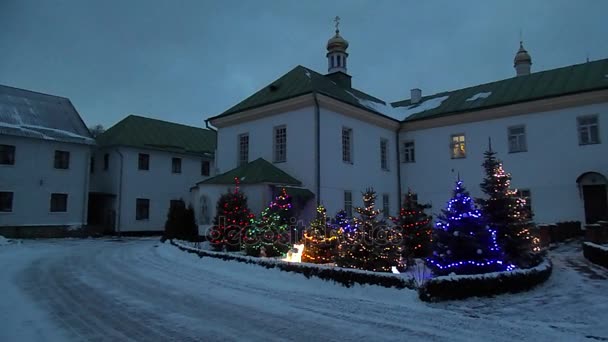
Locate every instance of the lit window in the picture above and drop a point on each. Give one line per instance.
(243, 149)
(409, 155)
(280, 144)
(588, 130)
(517, 139)
(347, 145)
(348, 203)
(457, 146)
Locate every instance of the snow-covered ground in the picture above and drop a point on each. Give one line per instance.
(142, 290)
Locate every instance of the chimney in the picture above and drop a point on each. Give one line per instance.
(415, 95)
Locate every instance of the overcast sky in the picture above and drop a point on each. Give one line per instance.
(184, 61)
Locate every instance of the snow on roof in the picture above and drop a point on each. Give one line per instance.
(308, 73)
(400, 113)
(479, 96)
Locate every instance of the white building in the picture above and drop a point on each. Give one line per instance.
(44, 155)
(140, 166)
(336, 140)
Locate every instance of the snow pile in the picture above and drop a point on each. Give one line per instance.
(603, 248)
(400, 113)
(39, 131)
(479, 96)
(308, 73)
(4, 241)
(425, 105)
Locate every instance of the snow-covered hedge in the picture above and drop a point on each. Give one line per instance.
(595, 253)
(484, 285)
(343, 276)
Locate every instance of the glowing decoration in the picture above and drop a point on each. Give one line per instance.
(395, 270)
(474, 249)
(371, 245)
(415, 226)
(509, 214)
(232, 219)
(295, 253)
(319, 239)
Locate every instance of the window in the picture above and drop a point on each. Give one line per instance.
(176, 165)
(205, 168)
(347, 145)
(92, 166)
(143, 162)
(7, 154)
(457, 146)
(385, 205)
(174, 204)
(6, 202)
(348, 203)
(106, 161)
(280, 144)
(243, 149)
(409, 155)
(384, 154)
(517, 139)
(205, 217)
(59, 203)
(525, 195)
(588, 130)
(142, 209)
(62, 159)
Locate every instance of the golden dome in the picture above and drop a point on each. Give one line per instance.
(522, 55)
(337, 43)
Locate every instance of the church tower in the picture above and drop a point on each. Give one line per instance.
(522, 61)
(337, 57)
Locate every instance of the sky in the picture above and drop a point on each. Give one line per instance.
(187, 60)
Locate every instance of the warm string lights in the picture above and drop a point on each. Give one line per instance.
(231, 221)
(415, 228)
(320, 247)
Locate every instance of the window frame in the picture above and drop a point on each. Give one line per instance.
(61, 160)
(348, 203)
(453, 145)
(347, 151)
(588, 127)
(205, 218)
(92, 165)
(521, 138)
(243, 153)
(139, 214)
(409, 152)
(384, 151)
(106, 161)
(53, 204)
(8, 151)
(11, 202)
(205, 168)
(176, 165)
(143, 161)
(277, 143)
(386, 205)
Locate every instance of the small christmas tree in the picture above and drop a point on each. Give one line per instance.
(372, 245)
(463, 243)
(342, 224)
(319, 246)
(232, 219)
(270, 233)
(415, 226)
(508, 214)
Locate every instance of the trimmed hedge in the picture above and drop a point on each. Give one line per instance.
(596, 254)
(344, 277)
(484, 285)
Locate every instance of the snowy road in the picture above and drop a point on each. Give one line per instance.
(141, 290)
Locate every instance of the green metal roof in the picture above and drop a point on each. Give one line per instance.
(138, 131)
(254, 172)
(535, 86)
(300, 81)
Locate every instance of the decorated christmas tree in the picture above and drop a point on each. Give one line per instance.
(232, 219)
(508, 214)
(372, 245)
(342, 224)
(415, 226)
(319, 244)
(462, 242)
(269, 236)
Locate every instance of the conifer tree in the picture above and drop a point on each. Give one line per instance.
(508, 214)
(271, 232)
(232, 219)
(462, 242)
(373, 245)
(415, 226)
(319, 244)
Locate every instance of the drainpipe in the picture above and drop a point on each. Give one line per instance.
(87, 183)
(317, 147)
(209, 127)
(119, 204)
(398, 169)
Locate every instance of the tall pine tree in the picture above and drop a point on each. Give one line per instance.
(373, 245)
(462, 242)
(232, 219)
(508, 214)
(415, 226)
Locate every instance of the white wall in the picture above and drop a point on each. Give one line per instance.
(549, 168)
(365, 171)
(33, 178)
(158, 184)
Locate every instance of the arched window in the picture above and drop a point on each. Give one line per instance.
(205, 215)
